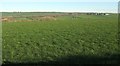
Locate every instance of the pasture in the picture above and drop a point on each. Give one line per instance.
(83, 40)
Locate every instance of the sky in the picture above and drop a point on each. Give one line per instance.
(109, 6)
(59, 0)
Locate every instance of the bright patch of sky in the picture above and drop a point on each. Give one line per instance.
(60, 6)
(59, 0)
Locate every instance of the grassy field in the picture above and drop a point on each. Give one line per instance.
(86, 39)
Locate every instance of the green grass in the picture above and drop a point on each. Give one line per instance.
(81, 40)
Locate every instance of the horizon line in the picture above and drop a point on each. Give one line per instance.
(61, 11)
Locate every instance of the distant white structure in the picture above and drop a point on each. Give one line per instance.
(98, 14)
(107, 14)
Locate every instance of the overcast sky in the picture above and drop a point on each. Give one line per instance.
(60, 5)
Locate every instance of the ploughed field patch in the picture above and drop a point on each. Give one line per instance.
(28, 19)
